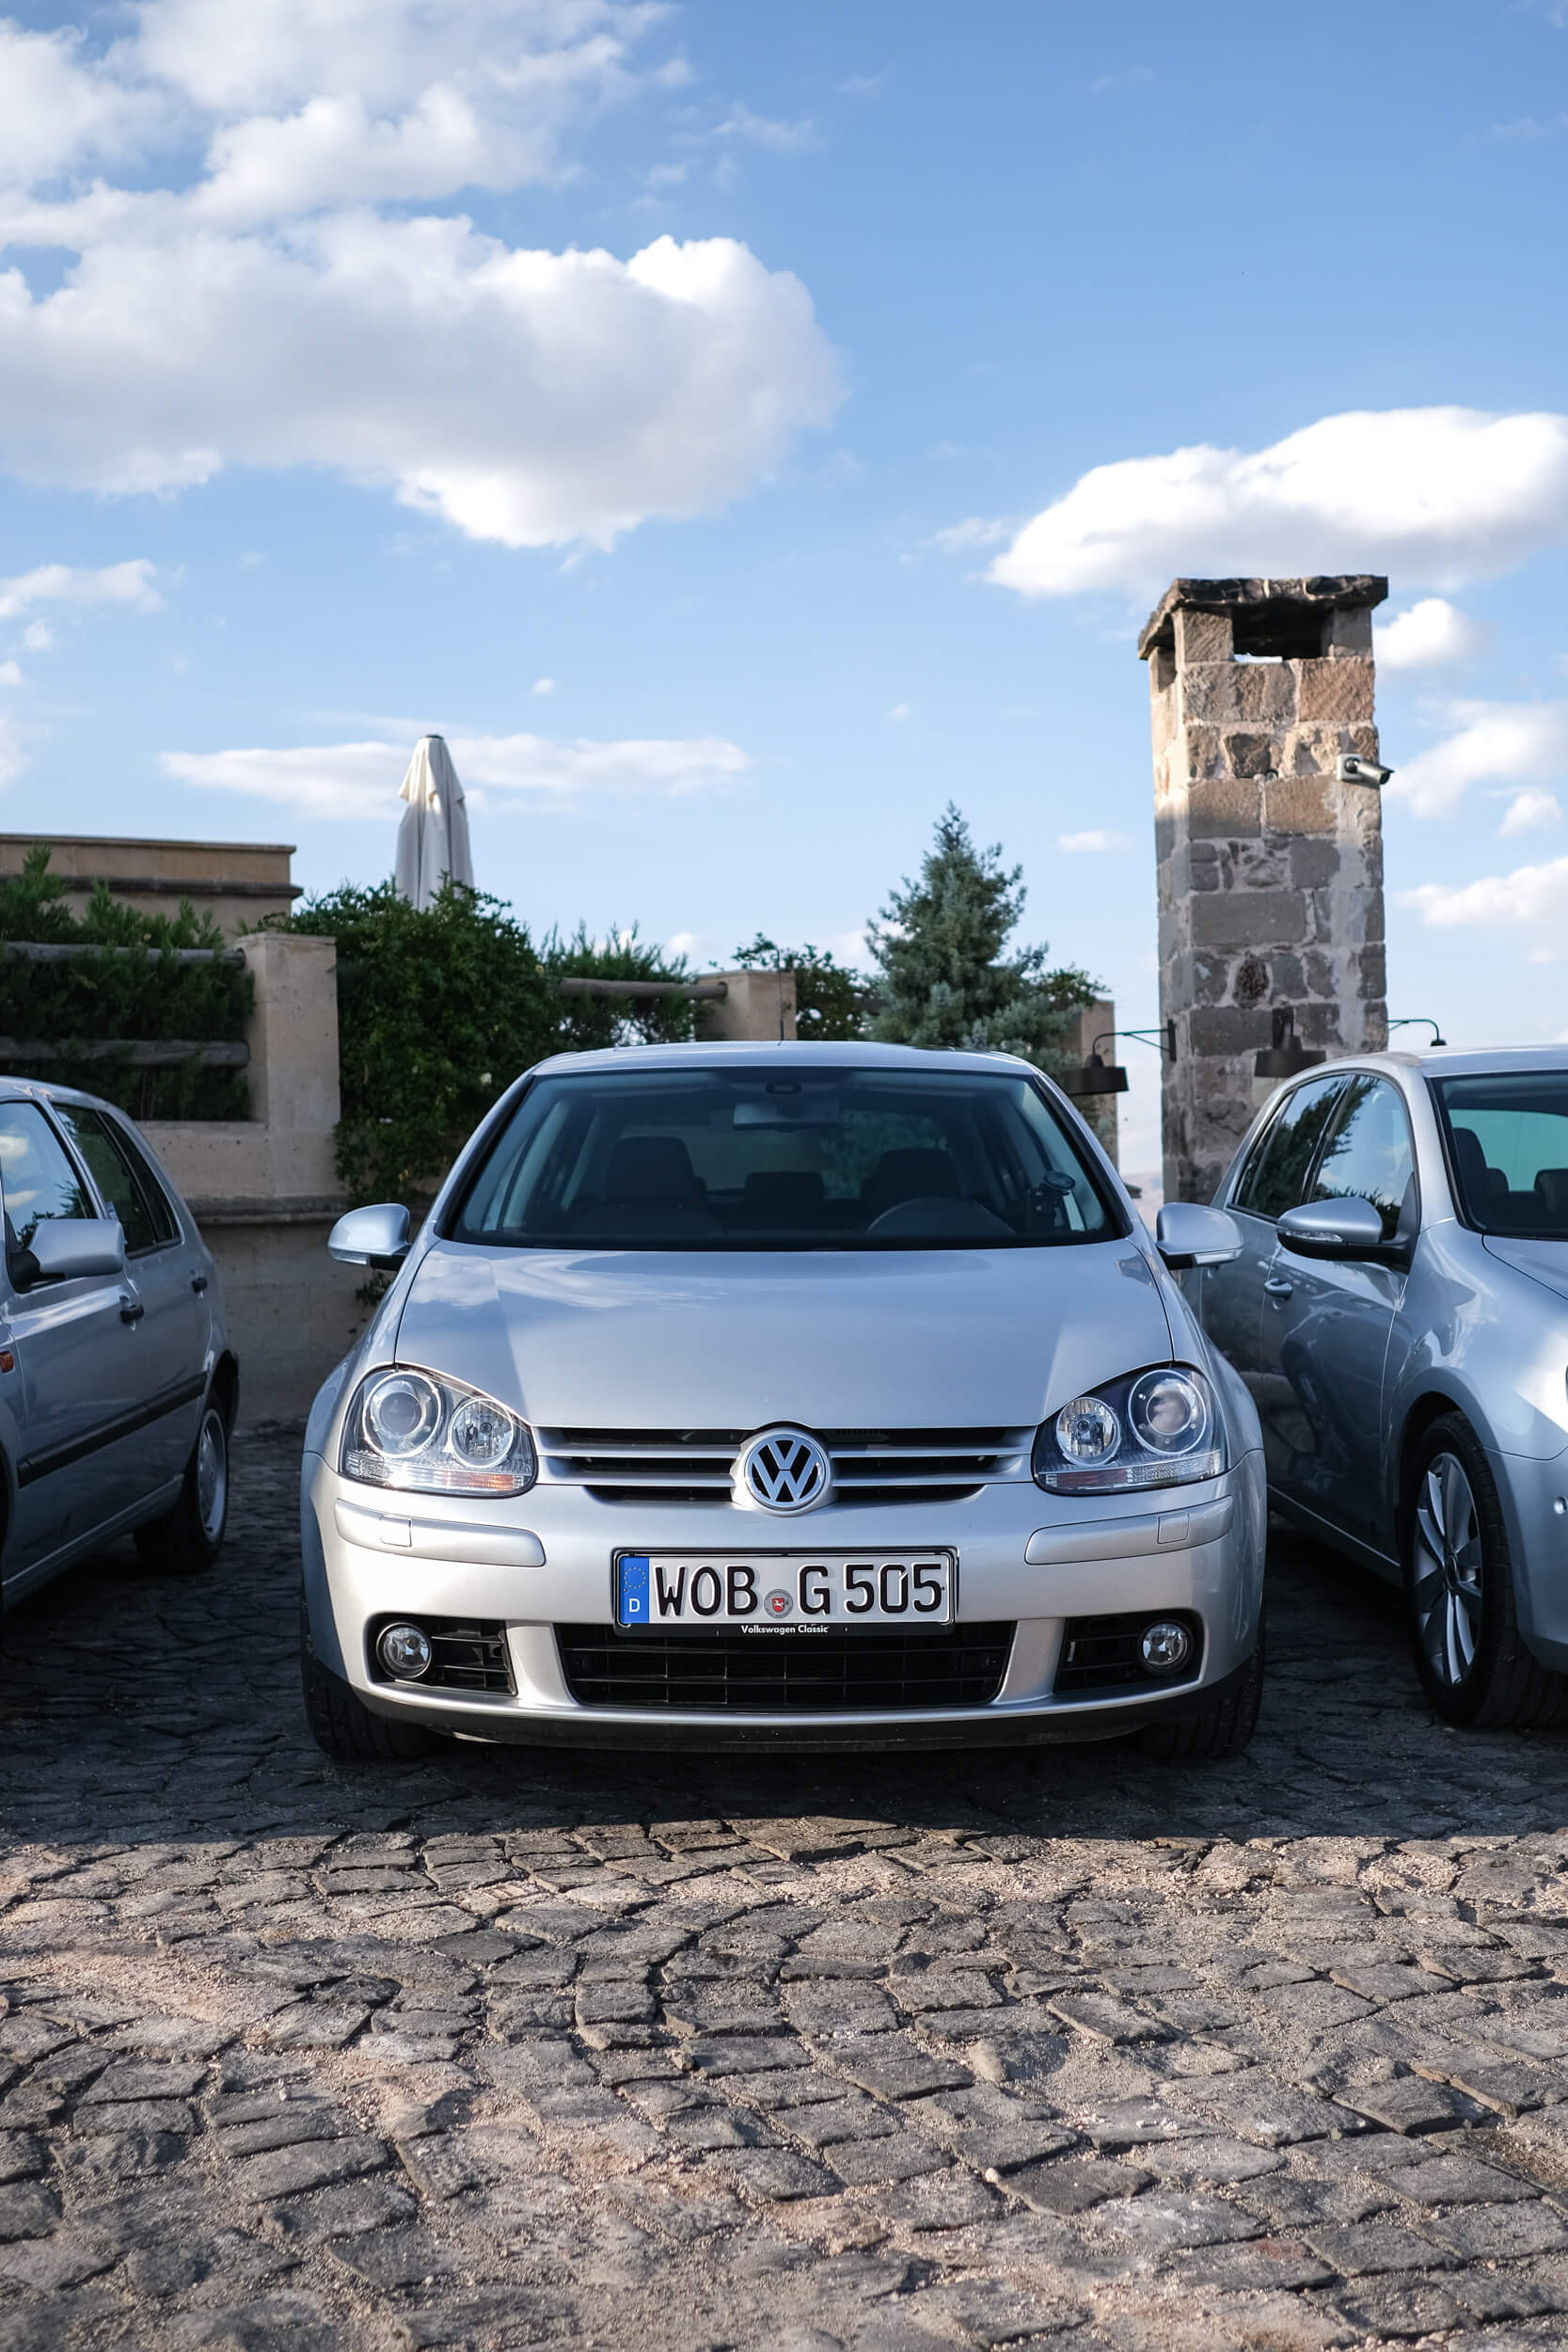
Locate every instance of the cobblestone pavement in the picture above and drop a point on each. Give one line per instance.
(552, 2049)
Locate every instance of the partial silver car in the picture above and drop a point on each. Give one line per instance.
(782, 1395)
(1400, 1313)
(118, 1384)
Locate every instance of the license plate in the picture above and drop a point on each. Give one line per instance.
(796, 1591)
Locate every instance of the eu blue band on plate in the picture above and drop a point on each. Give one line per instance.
(634, 1591)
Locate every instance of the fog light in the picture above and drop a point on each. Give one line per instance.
(405, 1652)
(1166, 1645)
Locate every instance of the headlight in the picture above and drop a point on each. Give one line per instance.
(1157, 1429)
(413, 1430)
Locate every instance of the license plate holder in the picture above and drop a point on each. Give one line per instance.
(664, 1593)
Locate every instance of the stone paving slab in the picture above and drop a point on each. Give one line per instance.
(830, 2055)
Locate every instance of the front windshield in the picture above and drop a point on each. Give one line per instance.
(790, 1157)
(1508, 1148)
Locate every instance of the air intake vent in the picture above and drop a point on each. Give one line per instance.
(784, 1674)
(642, 1466)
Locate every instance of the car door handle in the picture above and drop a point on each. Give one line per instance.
(199, 1284)
(131, 1310)
(1276, 1287)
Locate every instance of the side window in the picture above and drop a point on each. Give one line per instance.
(129, 1194)
(1370, 1155)
(36, 1179)
(1274, 1178)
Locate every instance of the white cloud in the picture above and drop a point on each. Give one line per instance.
(785, 139)
(530, 398)
(1095, 839)
(544, 686)
(1528, 810)
(975, 530)
(37, 637)
(1433, 634)
(59, 106)
(1440, 495)
(265, 312)
(899, 712)
(1502, 742)
(1531, 893)
(10, 673)
(132, 583)
(360, 780)
(12, 759)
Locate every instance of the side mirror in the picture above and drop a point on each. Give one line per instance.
(1332, 1228)
(374, 1237)
(69, 1248)
(1187, 1235)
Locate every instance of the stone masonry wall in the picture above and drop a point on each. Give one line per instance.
(1270, 869)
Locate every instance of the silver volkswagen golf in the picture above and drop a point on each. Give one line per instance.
(784, 1395)
(1400, 1313)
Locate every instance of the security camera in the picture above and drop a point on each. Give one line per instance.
(1352, 769)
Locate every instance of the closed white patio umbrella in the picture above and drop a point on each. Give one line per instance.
(432, 838)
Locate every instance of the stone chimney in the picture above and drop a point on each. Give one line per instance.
(1270, 867)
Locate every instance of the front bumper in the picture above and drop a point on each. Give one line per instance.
(1026, 1558)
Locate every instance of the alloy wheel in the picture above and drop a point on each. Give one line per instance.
(1447, 1585)
(212, 1474)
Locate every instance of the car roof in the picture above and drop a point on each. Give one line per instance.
(1454, 1061)
(41, 1090)
(784, 1054)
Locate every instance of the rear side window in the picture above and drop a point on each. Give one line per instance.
(1370, 1155)
(123, 1179)
(1507, 1134)
(1274, 1176)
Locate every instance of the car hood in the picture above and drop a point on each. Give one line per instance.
(1544, 1261)
(911, 1339)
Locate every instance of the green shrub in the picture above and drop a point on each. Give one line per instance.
(120, 996)
(437, 1012)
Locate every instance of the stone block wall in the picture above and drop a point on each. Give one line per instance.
(1270, 868)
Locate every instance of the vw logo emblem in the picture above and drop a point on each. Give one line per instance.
(784, 1470)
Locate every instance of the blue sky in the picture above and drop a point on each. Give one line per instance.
(293, 464)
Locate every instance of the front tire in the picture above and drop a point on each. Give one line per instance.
(1222, 1728)
(1469, 1652)
(189, 1538)
(340, 1723)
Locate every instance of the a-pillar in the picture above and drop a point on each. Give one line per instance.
(1270, 865)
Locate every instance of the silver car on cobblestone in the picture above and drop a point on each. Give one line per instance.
(785, 1396)
(118, 1385)
(1400, 1313)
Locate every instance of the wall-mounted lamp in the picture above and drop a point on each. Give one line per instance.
(1419, 1021)
(1286, 1056)
(1102, 1077)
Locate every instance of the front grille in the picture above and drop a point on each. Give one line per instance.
(636, 1466)
(784, 1674)
(468, 1654)
(1102, 1654)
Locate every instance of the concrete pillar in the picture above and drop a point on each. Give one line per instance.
(758, 1005)
(1078, 1043)
(1270, 869)
(285, 1151)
